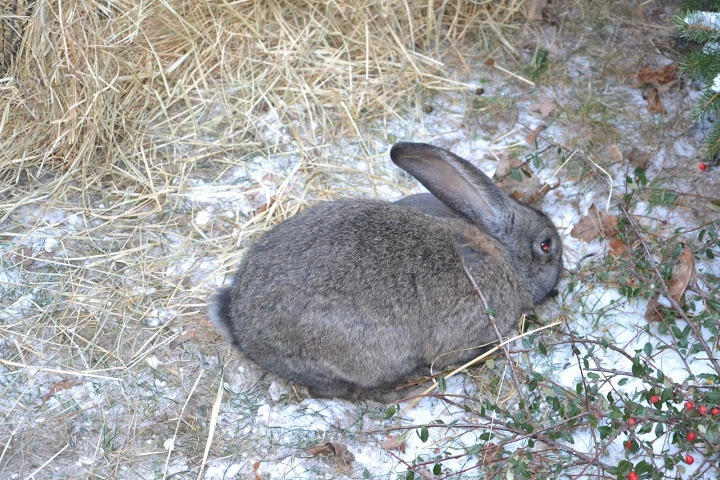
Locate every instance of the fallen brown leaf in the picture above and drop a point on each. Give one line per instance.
(23, 257)
(256, 467)
(653, 312)
(654, 103)
(59, 387)
(535, 9)
(594, 225)
(638, 158)
(332, 449)
(617, 247)
(615, 154)
(266, 206)
(656, 76)
(683, 275)
(532, 136)
(545, 106)
(190, 335)
(525, 189)
(396, 442)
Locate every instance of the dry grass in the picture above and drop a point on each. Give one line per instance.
(135, 139)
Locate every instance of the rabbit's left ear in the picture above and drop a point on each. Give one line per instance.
(459, 184)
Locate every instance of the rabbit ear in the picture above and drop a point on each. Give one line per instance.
(459, 184)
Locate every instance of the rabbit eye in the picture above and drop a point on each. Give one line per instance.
(545, 245)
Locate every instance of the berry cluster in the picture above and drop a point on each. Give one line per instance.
(691, 410)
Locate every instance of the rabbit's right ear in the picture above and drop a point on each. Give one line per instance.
(459, 184)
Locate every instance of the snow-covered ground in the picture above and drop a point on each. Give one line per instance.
(139, 406)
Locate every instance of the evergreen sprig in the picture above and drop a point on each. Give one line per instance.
(703, 27)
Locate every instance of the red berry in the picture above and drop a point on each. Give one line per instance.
(689, 405)
(691, 436)
(632, 422)
(689, 459)
(703, 166)
(715, 411)
(632, 476)
(654, 399)
(628, 444)
(702, 409)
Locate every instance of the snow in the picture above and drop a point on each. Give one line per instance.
(282, 427)
(709, 20)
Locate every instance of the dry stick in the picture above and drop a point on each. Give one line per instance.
(177, 426)
(480, 358)
(61, 372)
(213, 424)
(493, 321)
(32, 475)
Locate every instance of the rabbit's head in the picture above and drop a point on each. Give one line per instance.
(527, 235)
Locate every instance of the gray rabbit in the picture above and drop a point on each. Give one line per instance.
(352, 298)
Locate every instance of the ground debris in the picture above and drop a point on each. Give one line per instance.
(333, 449)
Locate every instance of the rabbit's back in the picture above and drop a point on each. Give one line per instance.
(350, 296)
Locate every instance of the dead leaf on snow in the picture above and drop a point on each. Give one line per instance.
(594, 225)
(545, 106)
(683, 275)
(256, 466)
(532, 136)
(332, 449)
(638, 158)
(514, 180)
(654, 103)
(396, 442)
(653, 312)
(264, 207)
(617, 247)
(656, 76)
(614, 153)
(190, 335)
(535, 9)
(59, 387)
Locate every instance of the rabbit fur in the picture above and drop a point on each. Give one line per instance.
(352, 298)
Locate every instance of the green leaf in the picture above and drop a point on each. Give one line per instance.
(442, 386)
(424, 434)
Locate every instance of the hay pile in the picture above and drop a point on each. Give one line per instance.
(96, 83)
(118, 119)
